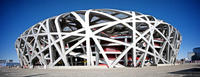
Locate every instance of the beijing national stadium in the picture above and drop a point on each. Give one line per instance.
(99, 37)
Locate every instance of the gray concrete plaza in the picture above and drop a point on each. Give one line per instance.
(182, 70)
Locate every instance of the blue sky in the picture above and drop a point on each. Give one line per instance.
(18, 15)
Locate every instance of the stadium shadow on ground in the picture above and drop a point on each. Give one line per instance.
(192, 72)
(198, 65)
(34, 75)
(3, 74)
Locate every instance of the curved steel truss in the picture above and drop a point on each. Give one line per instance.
(99, 37)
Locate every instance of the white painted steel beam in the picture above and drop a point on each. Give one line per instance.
(81, 37)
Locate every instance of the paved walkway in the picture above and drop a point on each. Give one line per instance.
(183, 70)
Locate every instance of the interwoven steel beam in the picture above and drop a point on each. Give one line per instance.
(96, 37)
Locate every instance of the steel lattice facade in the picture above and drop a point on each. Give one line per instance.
(99, 37)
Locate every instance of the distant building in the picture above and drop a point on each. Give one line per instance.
(2, 62)
(8, 63)
(196, 55)
(190, 54)
(12, 64)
